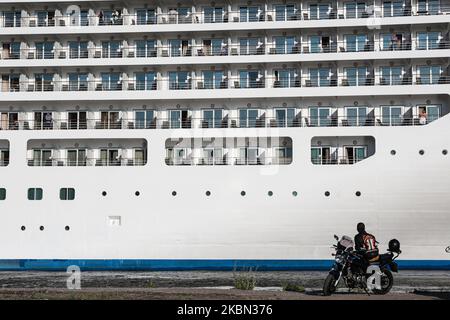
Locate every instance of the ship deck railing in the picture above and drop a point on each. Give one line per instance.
(189, 161)
(225, 49)
(227, 160)
(188, 17)
(336, 160)
(262, 121)
(97, 162)
(259, 81)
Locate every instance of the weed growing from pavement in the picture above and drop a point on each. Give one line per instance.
(293, 287)
(244, 280)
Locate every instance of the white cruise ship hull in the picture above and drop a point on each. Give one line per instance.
(353, 98)
(403, 196)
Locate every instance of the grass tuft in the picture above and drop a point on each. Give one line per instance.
(293, 287)
(245, 280)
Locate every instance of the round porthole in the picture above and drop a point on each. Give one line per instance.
(67, 228)
(242, 193)
(208, 193)
(22, 228)
(444, 152)
(104, 193)
(327, 193)
(421, 152)
(137, 193)
(41, 228)
(270, 193)
(294, 193)
(358, 193)
(174, 193)
(393, 152)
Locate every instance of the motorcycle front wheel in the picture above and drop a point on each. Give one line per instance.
(329, 287)
(387, 281)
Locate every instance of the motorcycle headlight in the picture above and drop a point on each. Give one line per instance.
(339, 259)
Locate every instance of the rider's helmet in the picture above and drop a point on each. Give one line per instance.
(361, 227)
(394, 246)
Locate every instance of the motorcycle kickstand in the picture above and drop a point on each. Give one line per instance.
(367, 291)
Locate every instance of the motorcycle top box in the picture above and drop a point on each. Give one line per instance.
(394, 246)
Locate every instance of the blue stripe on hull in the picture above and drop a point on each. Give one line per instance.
(179, 265)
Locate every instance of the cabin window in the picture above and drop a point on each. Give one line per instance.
(35, 193)
(2, 194)
(67, 194)
(321, 155)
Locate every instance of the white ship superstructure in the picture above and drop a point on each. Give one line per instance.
(217, 134)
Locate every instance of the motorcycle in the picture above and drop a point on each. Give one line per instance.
(356, 272)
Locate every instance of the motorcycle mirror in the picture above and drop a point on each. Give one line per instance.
(336, 237)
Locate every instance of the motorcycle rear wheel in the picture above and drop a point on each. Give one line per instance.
(329, 286)
(387, 281)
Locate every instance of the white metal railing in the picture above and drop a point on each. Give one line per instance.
(67, 162)
(227, 160)
(254, 80)
(226, 121)
(167, 51)
(256, 14)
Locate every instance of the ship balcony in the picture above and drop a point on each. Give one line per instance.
(86, 152)
(119, 16)
(229, 122)
(19, 54)
(220, 79)
(184, 85)
(348, 150)
(241, 151)
(25, 20)
(324, 116)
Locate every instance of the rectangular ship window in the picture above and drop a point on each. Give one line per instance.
(67, 194)
(35, 194)
(2, 194)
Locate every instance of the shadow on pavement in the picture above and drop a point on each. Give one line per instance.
(445, 295)
(339, 293)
